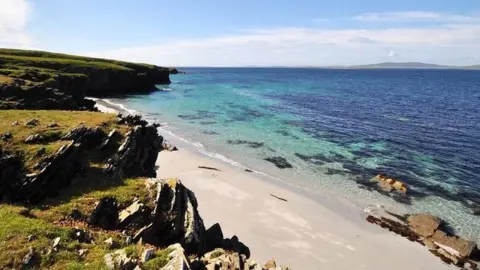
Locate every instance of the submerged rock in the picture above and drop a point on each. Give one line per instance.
(389, 184)
(249, 143)
(453, 244)
(280, 162)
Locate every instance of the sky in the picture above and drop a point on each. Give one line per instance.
(248, 32)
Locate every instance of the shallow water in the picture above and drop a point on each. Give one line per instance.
(338, 129)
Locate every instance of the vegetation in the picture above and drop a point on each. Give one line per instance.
(14, 122)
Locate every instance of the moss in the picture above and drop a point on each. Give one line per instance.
(159, 260)
(217, 253)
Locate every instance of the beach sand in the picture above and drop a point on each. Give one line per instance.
(307, 231)
(299, 232)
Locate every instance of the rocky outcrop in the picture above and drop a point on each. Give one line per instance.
(428, 231)
(137, 154)
(388, 184)
(58, 172)
(177, 259)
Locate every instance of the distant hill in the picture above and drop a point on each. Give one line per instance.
(408, 65)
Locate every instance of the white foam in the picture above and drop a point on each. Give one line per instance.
(121, 106)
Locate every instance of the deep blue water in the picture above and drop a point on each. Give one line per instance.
(339, 128)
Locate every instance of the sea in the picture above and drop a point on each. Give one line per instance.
(337, 129)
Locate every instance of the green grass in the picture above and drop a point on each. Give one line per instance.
(35, 56)
(65, 119)
(159, 260)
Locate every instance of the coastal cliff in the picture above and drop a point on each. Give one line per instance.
(78, 192)
(44, 80)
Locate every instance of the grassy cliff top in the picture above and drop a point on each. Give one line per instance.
(32, 58)
(64, 120)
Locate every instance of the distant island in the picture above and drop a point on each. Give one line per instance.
(406, 65)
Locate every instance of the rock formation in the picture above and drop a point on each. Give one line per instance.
(137, 154)
(428, 231)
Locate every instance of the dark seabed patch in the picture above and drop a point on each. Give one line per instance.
(210, 132)
(249, 143)
(198, 116)
(207, 122)
(280, 162)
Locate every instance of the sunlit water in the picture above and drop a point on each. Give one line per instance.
(338, 129)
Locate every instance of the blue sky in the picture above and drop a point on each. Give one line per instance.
(238, 33)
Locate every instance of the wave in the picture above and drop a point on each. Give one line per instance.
(121, 106)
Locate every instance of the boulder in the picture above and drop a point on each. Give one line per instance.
(388, 184)
(88, 137)
(32, 122)
(423, 224)
(108, 140)
(105, 214)
(6, 137)
(218, 260)
(271, 264)
(235, 245)
(131, 120)
(280, 162)
(454, 245)
(178, 260)
(176, 218)
(119, 260)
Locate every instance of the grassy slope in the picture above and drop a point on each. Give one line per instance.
(50, 220)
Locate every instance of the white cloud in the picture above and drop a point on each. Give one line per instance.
(447, 44)
(14, 16)
(413, 16)
(392, 53)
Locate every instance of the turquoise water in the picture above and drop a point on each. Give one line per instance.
(338, 129)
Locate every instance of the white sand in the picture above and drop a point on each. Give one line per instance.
(309, 231)
(302, 232)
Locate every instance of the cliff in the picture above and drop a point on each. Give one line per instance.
(61, 81)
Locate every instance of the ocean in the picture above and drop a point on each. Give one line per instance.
(338, 129)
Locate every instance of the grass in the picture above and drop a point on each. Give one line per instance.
(66, 121)
(5, 79)
(32, 56)
(159, 260)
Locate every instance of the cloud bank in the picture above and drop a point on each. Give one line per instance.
(14, 16)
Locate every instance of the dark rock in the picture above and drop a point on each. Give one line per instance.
(52, 125)
(214, 237)
(6, 137)
(147, 232)
(81, 235)
(169, 147)
(131, 120)
(105, 214)
(234, 244)
(109, 138)
(35, 138)
(176, 218)
(76, 214)
(248, 170)
(33, 122)
(110, 243)
(134, 216)
(40, 152)
(88, 137)
(137, 154)
(280, 162)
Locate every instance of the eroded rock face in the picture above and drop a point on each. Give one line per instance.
(423, 224)
(176, 218)
(137, 154)
(57, 173)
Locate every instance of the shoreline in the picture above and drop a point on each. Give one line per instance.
(306, 232)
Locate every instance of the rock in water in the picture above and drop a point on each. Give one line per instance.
(280, 162)
(176, 218)
(423, 224)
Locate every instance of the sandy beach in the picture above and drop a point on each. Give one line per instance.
(299, 232)
(302, 229)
